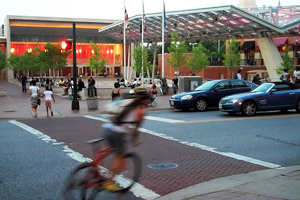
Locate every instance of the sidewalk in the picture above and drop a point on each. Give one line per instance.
(16, 104)
(275, 184)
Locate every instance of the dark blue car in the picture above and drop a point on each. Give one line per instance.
(209, 94)
(268, 96)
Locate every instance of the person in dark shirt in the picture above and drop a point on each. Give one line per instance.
(175, 84)
(80, 85)
(91, 84)
(24, 81)
(256, 79)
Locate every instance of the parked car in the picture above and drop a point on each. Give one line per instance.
(209, 94)
(268, 96)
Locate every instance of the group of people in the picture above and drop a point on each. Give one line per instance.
(35, 95)
(286, 76)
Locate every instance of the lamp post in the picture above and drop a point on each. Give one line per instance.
(75, 102)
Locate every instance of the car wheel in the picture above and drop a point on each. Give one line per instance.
(248, 108)
(231, 113)
(201, 104)
(298, 106)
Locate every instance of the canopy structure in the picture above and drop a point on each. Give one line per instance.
(215, 23)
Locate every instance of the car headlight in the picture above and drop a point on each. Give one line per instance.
(233, 101)
(186, 97)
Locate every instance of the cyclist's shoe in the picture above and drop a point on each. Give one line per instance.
(111, 186)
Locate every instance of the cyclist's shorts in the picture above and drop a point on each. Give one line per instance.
(115, 140)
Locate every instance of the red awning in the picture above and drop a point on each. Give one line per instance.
(280, 41)
(293, 41)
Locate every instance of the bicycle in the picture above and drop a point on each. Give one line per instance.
(86, 180)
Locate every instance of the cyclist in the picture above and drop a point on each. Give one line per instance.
(116, 133)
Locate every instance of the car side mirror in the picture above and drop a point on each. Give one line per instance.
(273, 90)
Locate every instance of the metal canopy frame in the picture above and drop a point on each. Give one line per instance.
(215, 23)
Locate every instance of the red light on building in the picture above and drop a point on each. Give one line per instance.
(66, 45)
(283, 48)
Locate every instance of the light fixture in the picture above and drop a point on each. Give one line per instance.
(111, 51)
(107, 51)
(29, 50)
(12, 50)
(79, 50)
(93, 52)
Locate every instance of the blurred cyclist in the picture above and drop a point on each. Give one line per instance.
(115, 133)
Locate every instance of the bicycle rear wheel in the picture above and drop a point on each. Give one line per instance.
(130, 172)
(83, 183)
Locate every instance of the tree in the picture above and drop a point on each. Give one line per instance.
(177, 50)
(232, 58)
(287, 62)
(138, 61)
(52, 58)
(96, 63)
(2, 60)
(199, 60)
(13, 62)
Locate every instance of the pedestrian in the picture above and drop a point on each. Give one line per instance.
(48, 94)
(164, 85)
(256, 79)
(23, 82)
(238, 75)
(116, 91)
(285, 76)
(91, 85)
(34, 92)
(80, 86)
(175, 84)
(297, 76)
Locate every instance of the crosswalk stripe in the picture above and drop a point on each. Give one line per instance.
(172, 121)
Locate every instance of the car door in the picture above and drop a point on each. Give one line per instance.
(220, 90)
(284, 96)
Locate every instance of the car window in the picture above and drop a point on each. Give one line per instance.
(238, 84)
(223, 85)
(281, 87)
(206, 86)
(265, 87)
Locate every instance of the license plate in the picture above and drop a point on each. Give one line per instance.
(172, 103)
(220, 106)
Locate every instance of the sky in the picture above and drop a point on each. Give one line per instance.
(111, 9)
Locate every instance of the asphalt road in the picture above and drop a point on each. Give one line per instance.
(204, 146)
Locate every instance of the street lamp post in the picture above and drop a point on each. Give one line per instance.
(75, 102)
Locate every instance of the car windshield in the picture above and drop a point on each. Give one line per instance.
(265, 87)
(206, 86)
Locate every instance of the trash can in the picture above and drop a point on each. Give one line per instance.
(189, 83)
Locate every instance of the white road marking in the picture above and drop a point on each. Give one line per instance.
(211, 149)
(138, 190)
(172, 121)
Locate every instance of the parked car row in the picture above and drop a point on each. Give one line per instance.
(239, 96)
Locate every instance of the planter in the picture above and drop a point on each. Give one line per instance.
(92, 103)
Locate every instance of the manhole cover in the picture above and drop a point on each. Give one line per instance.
(163, 166)
(9, 111)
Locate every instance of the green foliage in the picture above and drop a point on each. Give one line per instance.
(287, 62)
(177, 50)
(2, 60)
(232, 58)
(199, 60)
(96, 63)
(51, 58)
(138, 61)
(14, 62)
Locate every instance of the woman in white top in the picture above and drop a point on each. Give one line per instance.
(34, 92)
(285, 76)
(48, 94)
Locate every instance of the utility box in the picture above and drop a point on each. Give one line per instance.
(189, 83)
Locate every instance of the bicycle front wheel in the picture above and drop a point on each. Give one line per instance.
(83, 183)
(130, 171)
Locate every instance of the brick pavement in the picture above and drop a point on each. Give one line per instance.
(194, 165)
